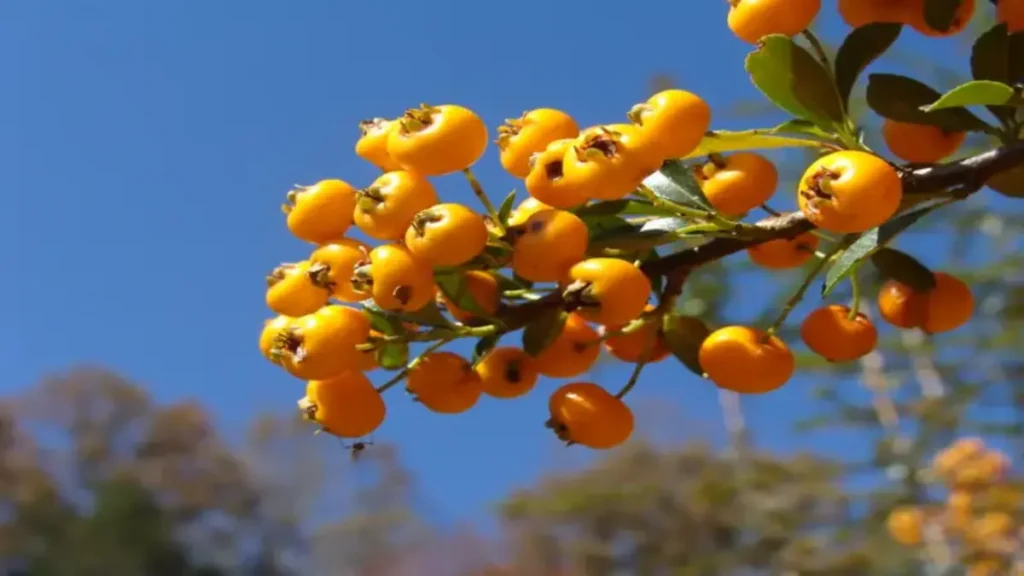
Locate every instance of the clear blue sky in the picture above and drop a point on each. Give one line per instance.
(145, 148)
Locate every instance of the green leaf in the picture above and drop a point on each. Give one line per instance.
(870, 241)
(939, 14)
(635, 237)
(393, 355)
(900, 98)
(676, 182)
(860, 48)
(540, 333)
(390, 355)
(386, 323)
(429, 315)
(684, 336)
(721, 141)
(794, 80)
(990, 60)
(483, 346)
(990, 55)
(624, 207)
(599, 225)
(505, 210)
(974, 93)
(1016, 58)
(456, 289)
(903, 268)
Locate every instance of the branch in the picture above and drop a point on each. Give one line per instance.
(969, 174)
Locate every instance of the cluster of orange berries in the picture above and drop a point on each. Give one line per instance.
(319, 338)
(751, 20)
(980, 515)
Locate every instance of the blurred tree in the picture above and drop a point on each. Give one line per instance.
(115, 484)
(645, 511)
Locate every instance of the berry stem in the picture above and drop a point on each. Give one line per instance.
(797, 296)
(478, 190)
(855, 304)
(645, 357)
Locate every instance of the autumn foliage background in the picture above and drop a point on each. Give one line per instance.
(97, 476)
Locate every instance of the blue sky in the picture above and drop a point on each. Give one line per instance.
(145, 148)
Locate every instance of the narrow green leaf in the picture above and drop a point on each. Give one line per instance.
(637, 237)
(721, 141)
(940, 14)
(624, 207)
(974, 93)
(601, 225)
(540, 333)
(504, 284)
(483, 346)
(506, 207)
(684, 336)
(903, 268)
(860, 48)
(795, 126)
(900, 98)
(429, 315)
(851, 259)
(794, 80)
(676, 182)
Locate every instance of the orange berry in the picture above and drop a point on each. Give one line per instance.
(322, 212)
(920, 143)
(572, 353)
(528, 207)
(609, 162)
(946, 307)
(372, 145)
(272, 330)
(398, 280)
(447, 235)
(332, 267)
(483, 288)
(738, 183)
(850, 191)
(831, 333)
(520, 138)
(917, 21)
(292, 292)
(1012, 13)
(506, 372)
(386, 208)
(607, 290)
(585, 413)
(548, 244)
(959, 509)
(545, 181)
(751, 20)
(857, 13)
(445, 383)
(746, 360)
(964, 449)
(322, 345)
(438, 140)
(673, 121)
(784, 253)
(346, 405)
(906, 525)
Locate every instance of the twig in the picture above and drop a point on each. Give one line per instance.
(971, 172)
(405, 371)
